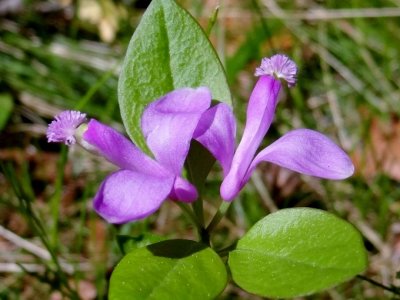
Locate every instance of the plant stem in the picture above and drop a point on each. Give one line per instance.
(94, 88)
(223, 208)
(391, 289)
(55, 201)
(225, 251)
(198, 211)
(36, 225)
(202, 232)
(263, 22)
(186, 209)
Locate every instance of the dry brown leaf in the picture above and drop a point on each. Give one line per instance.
(381, 153)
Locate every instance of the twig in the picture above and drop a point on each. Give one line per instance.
(321, 14)
(391, 289)
(293, 25)
(24, 244)
(33, 248)
(332, 96)
(369, 233)
(16, 268)
(34, 268)
(105, 63)
(262, 190)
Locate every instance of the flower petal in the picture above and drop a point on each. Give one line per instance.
(308, 152)
(260, 113)
(279, 66)
(216, 132)
(62, 129)
(183, 190)
(126, 196)
(168, 125)
(119, 150)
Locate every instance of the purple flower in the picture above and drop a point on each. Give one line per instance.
(142, 183)
(302, 150)
(280, 66)
(62, 129)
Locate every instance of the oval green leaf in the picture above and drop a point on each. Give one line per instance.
(173, 269)
(296, 252)
(168, 50)
(128, 243)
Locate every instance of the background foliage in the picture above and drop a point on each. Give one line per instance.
(67, 54)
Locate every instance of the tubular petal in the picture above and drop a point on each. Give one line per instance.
(230, 187)
(119, 150)
(260, 114)
(308, 152)
(168, 125)
(126, 196)
(216, 132)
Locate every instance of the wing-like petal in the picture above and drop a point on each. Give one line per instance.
(126, 196)
(308, 152)
(216, 131)
(168, 125)
(260, 114)
(119, 150)
(183, 190)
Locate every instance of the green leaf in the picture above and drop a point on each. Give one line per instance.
(295, 252)
(173, 269)
(168, 50)
(128, 243)
(6, 107)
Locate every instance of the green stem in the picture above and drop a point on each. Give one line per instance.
(225, 251)
(392, 289)
(55, 201)
(223, 208)
(36, 225)
(93, 89)
(263, 22)
(198, 211)
(202, 232)
(186, 209)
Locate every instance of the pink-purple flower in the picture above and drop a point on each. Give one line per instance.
(142, 183)
(279, 66)
(62, 128)
(169, 124)
(302, 150)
